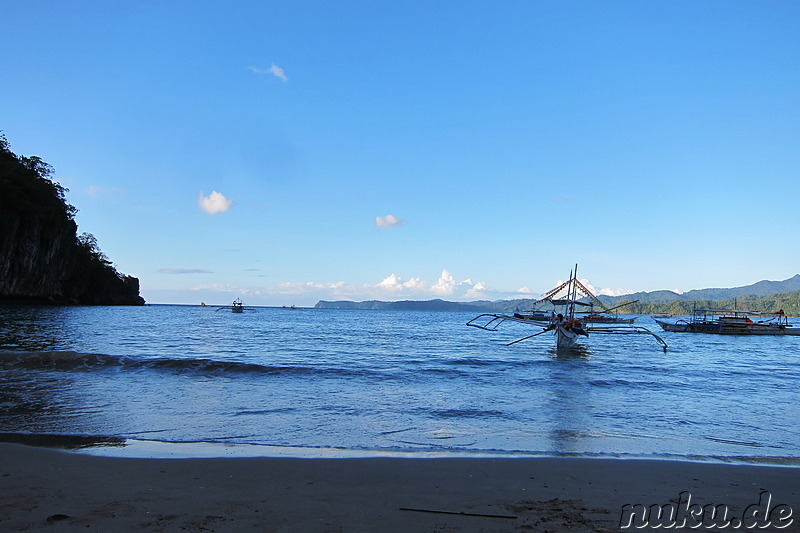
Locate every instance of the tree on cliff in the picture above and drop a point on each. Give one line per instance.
(42, 259)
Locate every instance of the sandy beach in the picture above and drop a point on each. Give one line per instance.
(52, 490)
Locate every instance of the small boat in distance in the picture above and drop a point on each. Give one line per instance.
(237, 306)
(547, 316)
(732, 322)
(607, 317)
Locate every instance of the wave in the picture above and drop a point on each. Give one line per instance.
(88, 362)
(457, 413)
(466, 413)
(127, 446)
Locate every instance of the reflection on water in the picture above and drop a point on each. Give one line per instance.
(576, 351)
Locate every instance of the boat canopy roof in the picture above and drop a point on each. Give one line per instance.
(733, 311)
(568, 302)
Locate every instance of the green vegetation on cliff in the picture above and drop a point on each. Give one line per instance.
(788, 301)
(42, 258)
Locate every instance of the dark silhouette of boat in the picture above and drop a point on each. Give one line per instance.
(732, 322)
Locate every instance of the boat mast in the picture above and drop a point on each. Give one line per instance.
(573, 293)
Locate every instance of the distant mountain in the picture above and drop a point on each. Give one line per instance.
(644, 297)
(762, 288)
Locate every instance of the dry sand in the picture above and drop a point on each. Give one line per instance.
(51, 490)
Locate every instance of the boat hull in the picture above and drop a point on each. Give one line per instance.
(608, 320)
(565, 338)
(721, 329)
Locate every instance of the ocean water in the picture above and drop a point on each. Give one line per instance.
(384, 382)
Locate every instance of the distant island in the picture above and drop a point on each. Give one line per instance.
(764, 297)
(42, 258)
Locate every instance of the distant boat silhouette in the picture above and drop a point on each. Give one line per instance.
(237, 306)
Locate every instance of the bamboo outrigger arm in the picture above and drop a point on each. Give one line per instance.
(629, 330)
(492, 321)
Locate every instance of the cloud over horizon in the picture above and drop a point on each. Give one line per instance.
(391, 288)
(184, 271)
(214, 203)
(389, 221)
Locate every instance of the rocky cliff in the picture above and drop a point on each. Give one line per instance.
(42, 259)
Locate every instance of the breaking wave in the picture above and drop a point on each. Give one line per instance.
(88, 362)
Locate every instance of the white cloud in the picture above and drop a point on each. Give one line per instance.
(477, 291)
(415, 284)
(615, 292)
(278, 72)
(391, 288)
(395, 284)
(604, 292)
(389, 221)
(214, 203)
(392, 282)
(275, 70)
(446, 284)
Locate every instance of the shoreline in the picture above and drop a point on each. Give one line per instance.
(68, 491)
(128, 448)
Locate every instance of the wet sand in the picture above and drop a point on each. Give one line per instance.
(51, 490)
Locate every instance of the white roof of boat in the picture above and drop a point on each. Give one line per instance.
(567, 302)
(738, 311)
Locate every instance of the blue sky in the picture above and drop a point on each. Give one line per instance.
(287, 152)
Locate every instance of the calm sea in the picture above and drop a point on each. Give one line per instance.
(392, 382)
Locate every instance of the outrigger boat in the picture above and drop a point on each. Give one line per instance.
(732, 322)
(565, 320)
(236, 307)
(606, 317)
